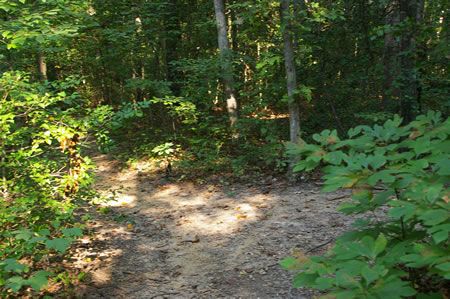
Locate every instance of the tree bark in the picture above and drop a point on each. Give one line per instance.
(409, 11)
(400, 59)
(289, 62)
(391, 63)
(173, 45)
(227, 68)
(42, 63)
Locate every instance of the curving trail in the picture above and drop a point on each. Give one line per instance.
(182, 240)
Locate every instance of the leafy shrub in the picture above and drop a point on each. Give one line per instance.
(405, 254)
(39, 179)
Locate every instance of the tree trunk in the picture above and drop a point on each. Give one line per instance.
(391, 64)
(227, 68)
(173, 45)
(400, 59)
(409, 11)
(42, 63)
(289, 62)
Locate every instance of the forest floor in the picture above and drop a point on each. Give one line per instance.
(169, 239)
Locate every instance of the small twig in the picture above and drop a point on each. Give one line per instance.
(321, 245)
(381, 188)
(337, 197)
(163, 245)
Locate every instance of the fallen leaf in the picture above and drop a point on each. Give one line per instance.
(130, 226)
(241, 216)
(88, 259)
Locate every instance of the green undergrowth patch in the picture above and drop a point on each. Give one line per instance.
(43, 181)
(406, 254)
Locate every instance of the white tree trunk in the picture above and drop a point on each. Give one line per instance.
(42, 65)
(227, 68)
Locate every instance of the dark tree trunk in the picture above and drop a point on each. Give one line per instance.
(401, 75)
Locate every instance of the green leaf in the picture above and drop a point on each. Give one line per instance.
(369, 274)
(354, 131)
(415, 260)
(44, 232)
(440, 236)
(336, 182)
(59, 244)
(347, 278)
(36, 240)
(324, 283)
(348, 208)
(377, 161)
(13, 265)
(385, 176)
(40, 39)
(380, 245)
(439, 232)
(444, 267)
(15, 283)
(304, 279)
(38, 280)
(288, 263)
(433, 217)
(444, 167)
(392, 288)
(72, 232)
(334, 157)
(23, 234)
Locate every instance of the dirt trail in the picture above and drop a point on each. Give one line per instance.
(182, 240)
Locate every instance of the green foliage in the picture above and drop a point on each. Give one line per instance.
(406, 253)
(37, 120)
(145, 77)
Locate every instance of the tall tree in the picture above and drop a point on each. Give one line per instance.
(42, 64)
(391, 47)
(289, 62)
(227, 68)
(400, 57)
(411, 13)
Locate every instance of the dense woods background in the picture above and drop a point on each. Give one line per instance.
(352, 62)
(203, 86)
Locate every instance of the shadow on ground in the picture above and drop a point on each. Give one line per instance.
(182, 240)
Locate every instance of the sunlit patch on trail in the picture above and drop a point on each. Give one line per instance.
(121, 200)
